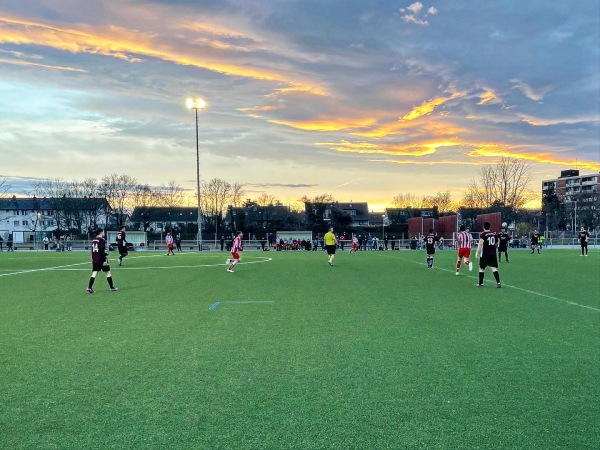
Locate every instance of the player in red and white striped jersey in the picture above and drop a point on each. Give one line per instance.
(236, 247)
(464, 241)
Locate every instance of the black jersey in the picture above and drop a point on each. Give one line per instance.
(583, 236)
(490, 241)
(535, 237)
(430, 241)
(121, 238)
(98, 250)
(503, 239)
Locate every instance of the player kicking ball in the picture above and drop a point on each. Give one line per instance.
(236, 247)
(100, 261)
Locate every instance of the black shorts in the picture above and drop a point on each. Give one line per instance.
(430, 250)
(123, 251)
(502, 249)
(488, 261)
(330, 249)
(100, 267)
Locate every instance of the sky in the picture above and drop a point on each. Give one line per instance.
(359, 99)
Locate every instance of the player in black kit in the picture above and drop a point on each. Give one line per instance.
(503, 239)
(583, 240)
(535, 241)
(122, 244)
(486, 253)
(430, 241)
(100, 261)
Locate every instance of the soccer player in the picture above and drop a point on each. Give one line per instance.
(535, 241)
(236, 248)
(169, 241)
(122, 244)
(100, 261)
(330, 245)
(464, 242)
(503, 239)
(486, 253)
(354, 244)
(583, 239)
(430, 241)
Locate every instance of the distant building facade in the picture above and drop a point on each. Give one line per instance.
(578, 194)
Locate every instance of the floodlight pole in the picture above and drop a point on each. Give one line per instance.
(196, 105)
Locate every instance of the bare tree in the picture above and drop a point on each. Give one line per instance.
(265, 199)
(407, 200)
(171, 195)
(216, 194)
(506, 184)
(4, 188)
(117, 189)
(237, 194)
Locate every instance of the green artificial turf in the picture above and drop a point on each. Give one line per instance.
(377, 352)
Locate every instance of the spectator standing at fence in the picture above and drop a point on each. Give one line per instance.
(1, 243)
(222, 242)
(535, 241)
(464, 242)
(100, 261)
(583, 240)
(430, 241)
(236, 249)
(46, 242)
(178, 242)
(9, 243)
(330, 245)
(486, 253)
(385, 242)
(503, 239)
(69, 240)
(393, 242)
(169, 241)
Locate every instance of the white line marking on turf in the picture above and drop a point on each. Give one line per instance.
(174, 267)
(516, 287)
(65, 267)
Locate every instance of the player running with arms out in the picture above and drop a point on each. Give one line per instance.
(330, 245)
(236, 248)
(464, 242)
(503, 239)
(430, 240)
(583, 240)
(122, 244)
(486, 253)
(100, 261)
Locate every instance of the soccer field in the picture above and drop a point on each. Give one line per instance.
(377, 352)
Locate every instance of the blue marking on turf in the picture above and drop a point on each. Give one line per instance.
(214, 305)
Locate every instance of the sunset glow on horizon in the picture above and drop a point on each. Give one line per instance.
(362, 102)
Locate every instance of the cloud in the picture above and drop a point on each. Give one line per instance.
(413, 14)
(530, 92)
(131, 46)
(488, 96)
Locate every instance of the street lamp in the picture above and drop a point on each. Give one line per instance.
(383, 226)
(197, 104)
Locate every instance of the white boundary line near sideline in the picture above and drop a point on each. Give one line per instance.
(176, 267)
(43, 269)
(517, 288)
(70, 267)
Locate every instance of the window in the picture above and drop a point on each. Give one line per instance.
(16, 223)
(25, 223)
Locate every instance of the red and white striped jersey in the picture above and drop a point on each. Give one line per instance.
(169, 239)
(464, 239)
(237, 244)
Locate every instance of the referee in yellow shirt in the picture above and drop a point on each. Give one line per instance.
(330, 245)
